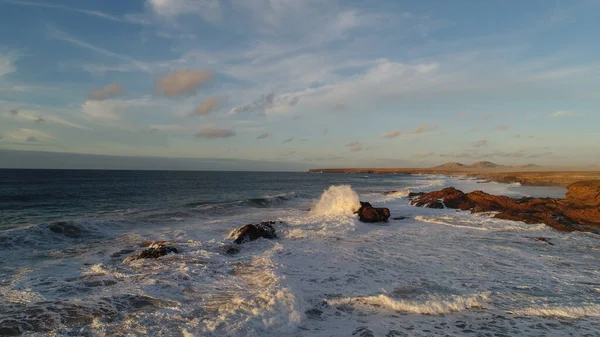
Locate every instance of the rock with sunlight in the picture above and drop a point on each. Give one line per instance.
(154, 251)
(580, 211)
(368, 213)
(251, 232)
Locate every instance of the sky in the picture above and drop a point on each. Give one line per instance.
(299, 83)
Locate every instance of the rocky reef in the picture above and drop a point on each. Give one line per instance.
(580, 211)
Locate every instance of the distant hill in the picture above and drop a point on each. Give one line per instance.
(529, 166)
(484, 164)
(450, 166)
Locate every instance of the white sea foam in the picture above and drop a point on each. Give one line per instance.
(591, 310)
(337, 200)
(433, 305)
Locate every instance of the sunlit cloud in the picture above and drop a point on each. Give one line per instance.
(107, 92)
(211, 132)
(501, 127)
(208, 106)
(460, 115)
(391, 134)
(485, 117)
(423, 129)
(183, 82)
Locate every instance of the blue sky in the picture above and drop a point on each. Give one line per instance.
(321, 83)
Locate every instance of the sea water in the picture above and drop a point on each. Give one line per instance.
(65, 236)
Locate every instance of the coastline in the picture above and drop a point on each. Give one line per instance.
(526, 178)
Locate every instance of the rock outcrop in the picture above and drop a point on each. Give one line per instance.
(154, 251)
(368, 213)
(585, 193)
(251, 232)
(579, 212)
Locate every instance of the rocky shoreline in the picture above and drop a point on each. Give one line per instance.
(528, 178)
(579, 211)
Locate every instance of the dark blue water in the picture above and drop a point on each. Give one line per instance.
(37, 196)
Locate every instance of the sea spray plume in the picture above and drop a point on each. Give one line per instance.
(337, 200)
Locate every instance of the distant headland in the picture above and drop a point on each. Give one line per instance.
(531, 174)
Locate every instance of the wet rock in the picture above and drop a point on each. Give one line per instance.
(313, 313)
(412, 195)
(155, 250)
(231, 249)
(252, 232)
(400, 218)
(367, 213)
(560, 214)
(65, 228)
(122, 252)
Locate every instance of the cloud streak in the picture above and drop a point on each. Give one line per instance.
(354, 146)
(211, 132)
(391, 134)
(107, 92)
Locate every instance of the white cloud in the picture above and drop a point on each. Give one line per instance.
(209, 10)
(354, 146)
(562, 113)
(94, 13)
(37, 116)
(28, 135)
(111, 110)
(7, 62)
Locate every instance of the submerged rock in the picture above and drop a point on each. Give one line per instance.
(368, 213)
(66, 228)
(576, 213)
(251, 232)
(154, 251)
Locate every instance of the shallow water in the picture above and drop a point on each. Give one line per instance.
(436, 273)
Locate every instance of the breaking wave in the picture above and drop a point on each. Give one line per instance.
(337, 200)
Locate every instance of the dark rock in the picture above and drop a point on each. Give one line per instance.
(412, 195)
(313, 313)
(400, 218)
(563, 215)
(122, 252)
(252, 232)
(231, 249)
(542, 239)
(156, 250)
(367, 213)
(67, 229)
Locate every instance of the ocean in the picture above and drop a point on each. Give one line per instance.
(65, 236)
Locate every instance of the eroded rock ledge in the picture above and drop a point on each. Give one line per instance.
(580, 211)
